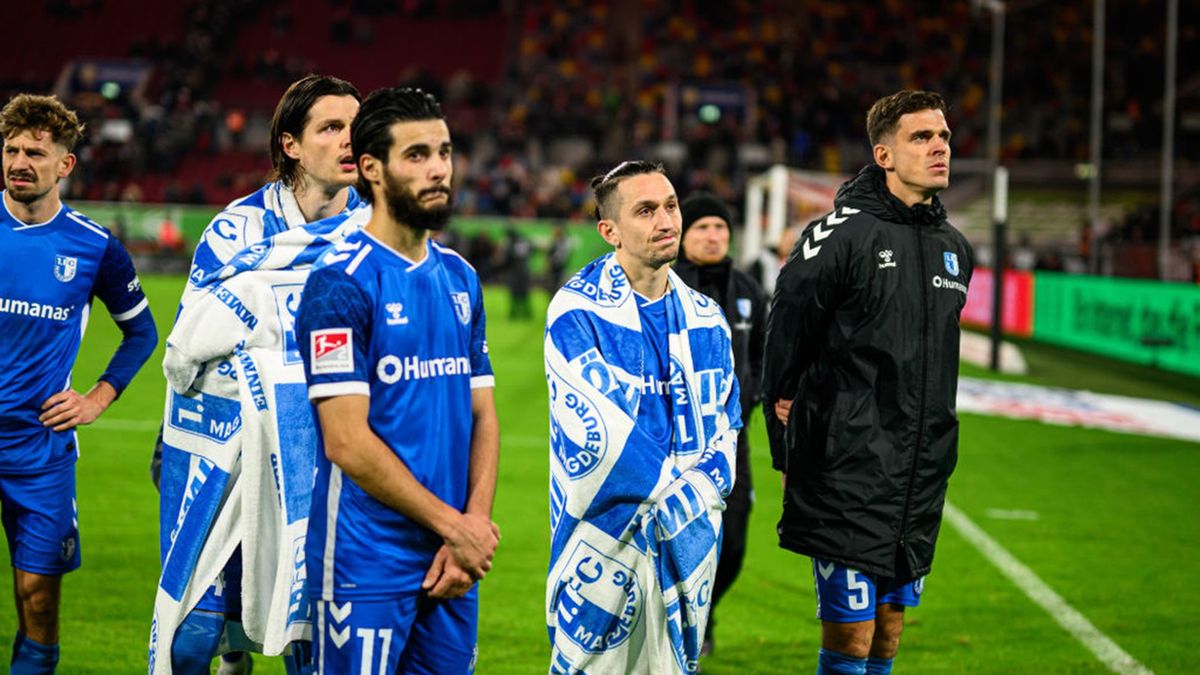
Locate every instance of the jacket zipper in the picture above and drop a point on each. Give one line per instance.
(912, 467)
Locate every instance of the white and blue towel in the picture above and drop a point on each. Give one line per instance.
(239, 441)
(635, 527)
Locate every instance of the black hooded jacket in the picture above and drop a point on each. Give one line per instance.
(863, 336)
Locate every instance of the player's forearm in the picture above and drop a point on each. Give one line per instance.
(485, 453)
(140, 337)
(102, 394)
(367, 460)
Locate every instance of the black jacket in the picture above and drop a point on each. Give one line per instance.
(863, 335)
(745, 306)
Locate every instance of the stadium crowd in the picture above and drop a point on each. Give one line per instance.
(577, 85)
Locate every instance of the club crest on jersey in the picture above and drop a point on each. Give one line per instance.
(64, 267)
(332, 351)
(951, 260)
(462, 307)
(744, 306)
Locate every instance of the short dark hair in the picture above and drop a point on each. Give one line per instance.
(884, 115)
(605, 185)
(30, 112)
(371, 132)
(292, 115)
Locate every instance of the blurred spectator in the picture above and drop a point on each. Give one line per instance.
(557, 257)
(517, 253)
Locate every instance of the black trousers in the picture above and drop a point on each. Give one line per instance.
(736, 521)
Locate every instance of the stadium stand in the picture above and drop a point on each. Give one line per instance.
(543, 93)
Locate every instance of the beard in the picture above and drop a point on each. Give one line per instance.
(25, 194)
(405, 207)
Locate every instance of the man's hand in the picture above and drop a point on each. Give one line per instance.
(783, 410)
(445, 579)
(68, 409)
(472, 543)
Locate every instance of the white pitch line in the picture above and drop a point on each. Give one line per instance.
(1109, 653)
(114, 424)
(525, 441)
(103, 424)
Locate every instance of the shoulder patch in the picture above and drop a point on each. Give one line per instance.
(332, 351)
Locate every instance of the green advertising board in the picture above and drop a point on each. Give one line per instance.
(1149, 322)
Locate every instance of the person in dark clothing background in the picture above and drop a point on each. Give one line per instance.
(705, 265)
(516, 273)
(860, 380)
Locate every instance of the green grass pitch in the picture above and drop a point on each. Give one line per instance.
(1116, 531)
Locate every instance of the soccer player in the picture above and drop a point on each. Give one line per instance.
(706, 266)
(391, 328)
(312, 179)
(860, 379)
(644, 415)
(58, 260)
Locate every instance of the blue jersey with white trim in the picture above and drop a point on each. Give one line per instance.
(55, 269)
(411, 336)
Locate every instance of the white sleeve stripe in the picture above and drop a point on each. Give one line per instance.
(137, 309)
(344, 388)
(481, 381)
(76, 217)
(358, 259)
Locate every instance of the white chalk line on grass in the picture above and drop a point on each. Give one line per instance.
(103, 424)
(116, 424)
(1099, 644)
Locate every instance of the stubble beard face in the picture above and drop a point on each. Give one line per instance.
(405, 207)
(24, 195)
(665, 258)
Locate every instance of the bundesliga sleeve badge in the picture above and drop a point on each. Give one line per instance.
(332, 351)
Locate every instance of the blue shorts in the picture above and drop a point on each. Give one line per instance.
(412, 634)
(224, 596)
(41, 520)
(845, 595)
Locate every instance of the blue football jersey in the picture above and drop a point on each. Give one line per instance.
(53, 271)
(654, 409)
(411, 337)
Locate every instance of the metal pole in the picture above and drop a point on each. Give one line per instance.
(1093, 207)
(999, 219)
(1168, 151)
(995, 102)
(995, 82)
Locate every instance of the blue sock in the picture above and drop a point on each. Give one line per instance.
(830, 662)
(32, 658)
(196, 643)
(877, 666)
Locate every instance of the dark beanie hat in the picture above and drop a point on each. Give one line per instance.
(701, 204)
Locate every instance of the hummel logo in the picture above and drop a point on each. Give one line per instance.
(885, 257)
(395, 309)
(825, 568)
(819, 233)
(339, 615)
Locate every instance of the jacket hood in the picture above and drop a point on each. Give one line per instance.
(868, 192)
